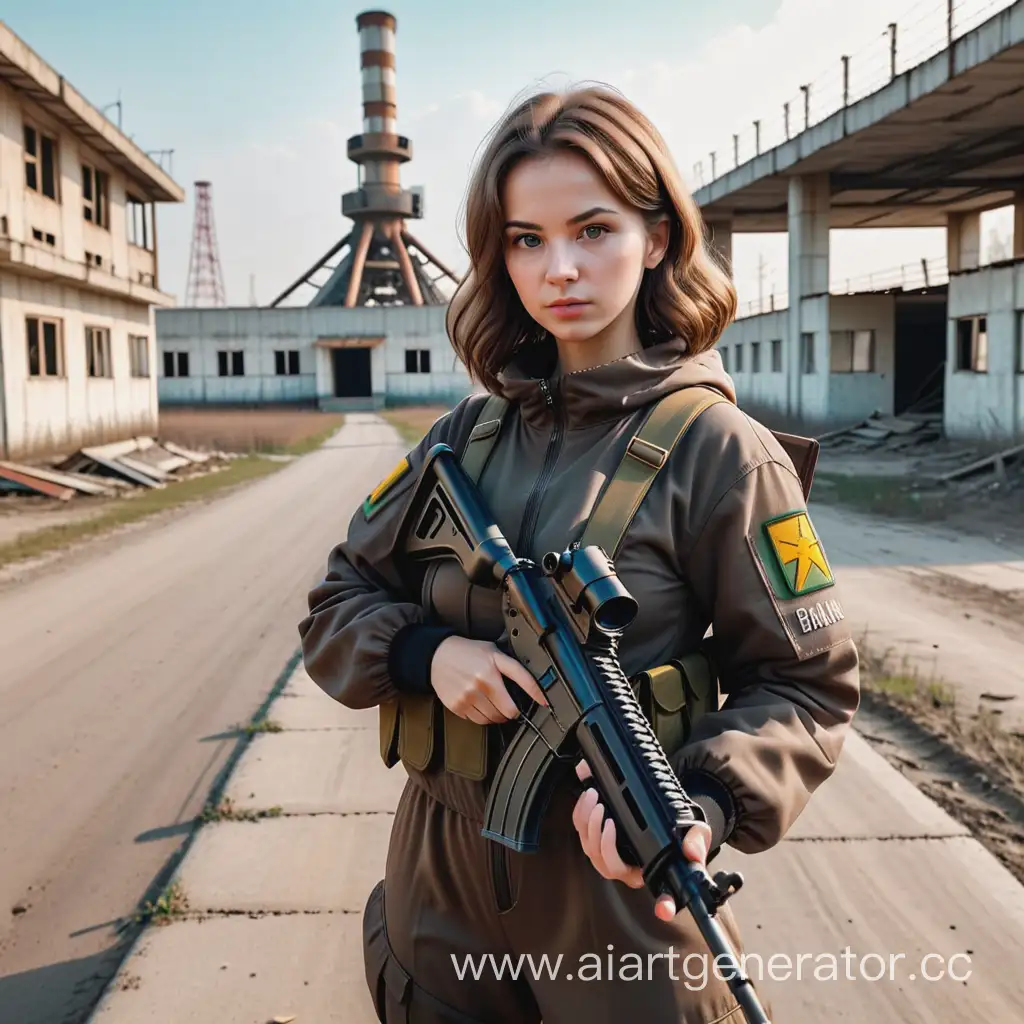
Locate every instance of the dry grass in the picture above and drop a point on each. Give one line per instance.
(272, 431)
(413, 421)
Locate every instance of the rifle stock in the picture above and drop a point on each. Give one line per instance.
(563, 621)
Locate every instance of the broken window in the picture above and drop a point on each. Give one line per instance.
(230, 363)
(95, 196)
(175, 364)
(417, 360)
(852, 352)
(139, 221)
(972, 344)
(807, 352)
(45, 353)
(138, 354)
(97, 345)
(286, 363)
(40, 162)
(777, 355)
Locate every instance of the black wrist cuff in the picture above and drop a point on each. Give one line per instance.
(410, 654)
(714, 798)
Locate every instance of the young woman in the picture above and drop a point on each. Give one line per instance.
(591, 296)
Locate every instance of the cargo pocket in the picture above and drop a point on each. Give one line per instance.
(397, 999)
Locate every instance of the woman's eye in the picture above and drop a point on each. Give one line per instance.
(593, 231)
(530, 241)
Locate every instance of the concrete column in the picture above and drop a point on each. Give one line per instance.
(720, 232)
(810, 200)
(1018, 226)
(963, 241)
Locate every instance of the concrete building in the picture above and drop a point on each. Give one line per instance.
(78, 265)
(936, 146)
(373, 333)
(330, 357)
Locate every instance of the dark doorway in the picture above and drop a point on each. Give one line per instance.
(351, 372)
(920, 357)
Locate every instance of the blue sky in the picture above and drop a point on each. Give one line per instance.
(259, 98)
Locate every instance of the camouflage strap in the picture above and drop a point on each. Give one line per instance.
(645, 455)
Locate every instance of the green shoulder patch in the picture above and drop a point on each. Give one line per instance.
(379, 496)
(793, 557)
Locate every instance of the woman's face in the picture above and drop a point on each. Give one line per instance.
(575, 253)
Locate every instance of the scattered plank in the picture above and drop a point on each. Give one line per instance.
(996, 462)
(85, 485)
(23, 481)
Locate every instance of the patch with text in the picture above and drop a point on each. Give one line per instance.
(818, 615)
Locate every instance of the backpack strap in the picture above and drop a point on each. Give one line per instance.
(646, 453)
(483, 436)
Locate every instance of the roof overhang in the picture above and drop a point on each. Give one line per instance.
(944, 137)
(26, 72)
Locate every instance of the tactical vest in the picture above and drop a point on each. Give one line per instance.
(421, 732)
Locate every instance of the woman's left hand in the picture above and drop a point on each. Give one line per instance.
(597, 836)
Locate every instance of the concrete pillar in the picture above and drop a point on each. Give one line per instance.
(1018, 226)
(963, 241)
(810, 200)
(721, 240)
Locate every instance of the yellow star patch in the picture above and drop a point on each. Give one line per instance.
(799, 553)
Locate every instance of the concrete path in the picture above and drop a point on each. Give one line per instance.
(274, 921)
(124, 669)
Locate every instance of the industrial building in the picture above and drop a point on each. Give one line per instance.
(373, 333)
(78, 265)
(937, 145)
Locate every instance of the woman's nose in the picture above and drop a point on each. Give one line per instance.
(561, 265)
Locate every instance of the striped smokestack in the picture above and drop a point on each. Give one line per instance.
(377, 60)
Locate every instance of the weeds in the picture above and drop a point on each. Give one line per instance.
(263, 725)
(172, 904)
(226, 810)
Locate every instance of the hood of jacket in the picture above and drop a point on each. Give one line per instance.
(608, 391)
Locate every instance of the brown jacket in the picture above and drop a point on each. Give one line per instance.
(697, 554)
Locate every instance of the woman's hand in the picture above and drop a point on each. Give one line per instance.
(467, 677)
(597, 836)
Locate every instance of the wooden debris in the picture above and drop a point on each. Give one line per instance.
(14, 479)
(996, 463)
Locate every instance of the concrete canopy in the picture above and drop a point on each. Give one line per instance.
(945, 137)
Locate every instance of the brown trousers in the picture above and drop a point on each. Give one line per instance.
(450, 897)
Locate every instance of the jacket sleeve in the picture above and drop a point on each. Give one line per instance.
(366, 637)
(784, 653)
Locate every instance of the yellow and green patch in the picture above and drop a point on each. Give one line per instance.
(793, 557)
(380, 495)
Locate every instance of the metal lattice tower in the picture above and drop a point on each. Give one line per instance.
(205, 279)
(384, 264)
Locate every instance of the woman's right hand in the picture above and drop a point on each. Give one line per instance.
(467, 677)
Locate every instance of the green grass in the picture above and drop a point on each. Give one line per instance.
(142, 505)
(879, 495)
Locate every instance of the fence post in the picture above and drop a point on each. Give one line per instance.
(892, 50)
(736, 150)
(806, 90)
(785, 114)
(712, 166)
(846, 82)
(757, 138)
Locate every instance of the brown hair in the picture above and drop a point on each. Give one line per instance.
(688, 295)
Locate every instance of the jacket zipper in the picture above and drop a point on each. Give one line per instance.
(532, 511)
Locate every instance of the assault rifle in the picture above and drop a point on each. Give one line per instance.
(564, 619)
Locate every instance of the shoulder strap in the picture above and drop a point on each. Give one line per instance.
(646, 453)
(483, 436)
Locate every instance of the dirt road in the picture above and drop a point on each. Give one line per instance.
(124, 669)
(951, 604)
